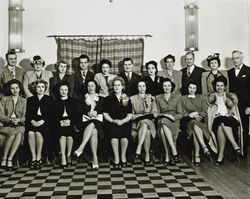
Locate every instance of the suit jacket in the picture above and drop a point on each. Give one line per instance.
(131, 86)
(240, 85)
(6, 75)
(195, 76)
(105, 87)
(207, 80)
(176, 78)
(7, 108)
(30, 76)
(54, 82)
(80, 88)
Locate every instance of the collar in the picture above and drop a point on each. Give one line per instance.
(191, 96)
(191, 67)
(239, 67)
(11, 68)
(128, 73)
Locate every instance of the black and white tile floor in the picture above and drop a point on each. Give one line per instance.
(80, 181)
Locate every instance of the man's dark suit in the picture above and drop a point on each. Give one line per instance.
(240, 85)
(80, 88)
(195, 76)
(131, 86)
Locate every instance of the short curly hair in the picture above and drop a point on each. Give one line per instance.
(168, 80)
(61, 62)
(32, 86)
(8, 87)
(97, 87)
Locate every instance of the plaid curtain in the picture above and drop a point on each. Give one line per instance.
(113, 49)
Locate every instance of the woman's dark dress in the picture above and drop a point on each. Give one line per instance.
(59, 107)
(154, 87)
(116, 110)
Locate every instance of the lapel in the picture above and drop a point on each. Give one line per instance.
(242, 71)
(8, 73)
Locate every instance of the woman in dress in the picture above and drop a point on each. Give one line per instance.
(104, 78)
(64, 110)
(144, 111)
(153, 81)
(38, 121)
(194, 110)
(59, 76)
(12, 118)
(91, 121)
(39, 73)
(169, 115)
(209, 76)
(224, 119)
(169, 72)
(117, 111)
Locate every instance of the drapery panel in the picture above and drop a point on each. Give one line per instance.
(115, 50)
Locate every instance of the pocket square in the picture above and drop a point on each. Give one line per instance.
(243, 76)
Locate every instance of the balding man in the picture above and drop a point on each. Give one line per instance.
(239, 83)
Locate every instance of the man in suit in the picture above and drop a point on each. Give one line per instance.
(82, 75)
(239, 83)
(191, 72)
(131, 78)
(11, 70)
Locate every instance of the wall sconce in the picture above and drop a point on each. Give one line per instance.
(16, 25)
(191, 26)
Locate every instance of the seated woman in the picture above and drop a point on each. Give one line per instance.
(209, 76)
(194, 110)
(117, 111)
(144, 111)
(91, 119)
(169, 115)
(39, 73)
(38, 121)
(61, 75)
(153, 81)
(104, 78)
(224, 119)
(12, 118)
(64, 116)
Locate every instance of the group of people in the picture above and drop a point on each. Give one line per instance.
(63, 113)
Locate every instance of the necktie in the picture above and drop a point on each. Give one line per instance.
(83, 76)
(12, 70)
(106, 78)
(188, 71)
(128, 76)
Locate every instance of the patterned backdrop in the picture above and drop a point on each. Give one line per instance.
(115, 50)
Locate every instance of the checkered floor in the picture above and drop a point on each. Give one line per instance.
(134, 181)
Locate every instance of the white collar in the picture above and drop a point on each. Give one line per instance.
(191, 96)
(238, 68)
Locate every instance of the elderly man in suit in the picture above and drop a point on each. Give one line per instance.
(131, 78)
(11, 70)
(191, 72)
(82, 75)
(239, 83)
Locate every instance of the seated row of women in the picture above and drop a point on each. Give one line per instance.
(208, 121)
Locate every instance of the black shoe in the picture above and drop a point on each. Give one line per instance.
(116, 165)
(32, 164)
(208, 154)
(39, 164)
(124, 164)
(176, 159)
(219, 163)
(147, 163)
(168, 163)
(69, 161)
(9, 166)
(63, 166)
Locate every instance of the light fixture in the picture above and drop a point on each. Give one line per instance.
(191, 26)
(16, 25)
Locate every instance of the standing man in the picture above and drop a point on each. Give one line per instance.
(191, 72)
(82, 75)
(131, 78)
(239, 83)
(11, 70)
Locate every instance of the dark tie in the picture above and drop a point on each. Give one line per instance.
(128, 76)
(188, 71)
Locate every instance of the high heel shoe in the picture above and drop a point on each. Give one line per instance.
(39, 164)
(197, 161)
(32, 164)
(3, 163)
(219, 162)
(63, 166)
(124, 164)
(9, 166)
(176, 159)
(77, 154)
(116, 165)
(95, 166)
(207, 154)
